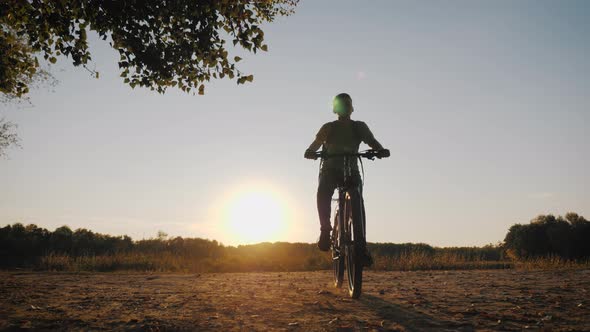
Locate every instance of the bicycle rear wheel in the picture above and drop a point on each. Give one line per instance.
(353, 248)
(337, 250)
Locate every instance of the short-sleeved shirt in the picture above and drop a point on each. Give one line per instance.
(342, 136)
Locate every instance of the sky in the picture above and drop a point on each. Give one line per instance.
(484, 106)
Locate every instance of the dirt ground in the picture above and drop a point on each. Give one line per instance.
(296, 301)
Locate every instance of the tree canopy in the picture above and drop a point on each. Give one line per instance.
(567, 237)
(161, 43)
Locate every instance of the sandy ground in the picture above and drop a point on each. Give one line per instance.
(297, 301)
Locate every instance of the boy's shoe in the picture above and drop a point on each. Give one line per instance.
(324, 241)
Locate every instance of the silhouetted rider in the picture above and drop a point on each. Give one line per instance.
(341, 136)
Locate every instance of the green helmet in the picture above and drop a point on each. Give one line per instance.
(342, 104)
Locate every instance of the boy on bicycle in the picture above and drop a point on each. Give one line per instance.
(341, 136)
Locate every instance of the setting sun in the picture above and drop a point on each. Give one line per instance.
(255, 215)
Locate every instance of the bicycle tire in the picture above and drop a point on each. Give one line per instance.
(338, 264)
(355, 237)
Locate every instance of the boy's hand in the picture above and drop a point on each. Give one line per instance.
(383, 153)
(310, 155)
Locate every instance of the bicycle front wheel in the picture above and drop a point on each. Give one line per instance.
(354, 245)
(337, 251)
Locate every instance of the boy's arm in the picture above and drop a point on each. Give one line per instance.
(320, 138)
(315, 145)
(368, 138)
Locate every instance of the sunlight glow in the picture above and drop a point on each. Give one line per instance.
(255, 214)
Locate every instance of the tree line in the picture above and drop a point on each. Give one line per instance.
(35, 247)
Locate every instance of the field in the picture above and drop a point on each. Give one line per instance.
(297, 301)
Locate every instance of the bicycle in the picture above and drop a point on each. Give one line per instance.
(349, 230)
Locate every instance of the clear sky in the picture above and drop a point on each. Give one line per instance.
(485, 107)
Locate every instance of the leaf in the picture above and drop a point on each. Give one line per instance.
(201, 89)
(52, 59)
(264, 48)
(237, 59)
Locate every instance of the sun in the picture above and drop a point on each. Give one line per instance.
(255, 215)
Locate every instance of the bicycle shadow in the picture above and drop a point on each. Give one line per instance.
(407, 319)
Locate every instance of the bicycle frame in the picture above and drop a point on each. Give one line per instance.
(344, 194)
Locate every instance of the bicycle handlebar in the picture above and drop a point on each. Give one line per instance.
(369, 154)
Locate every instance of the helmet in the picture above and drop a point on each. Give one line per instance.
(342, 104)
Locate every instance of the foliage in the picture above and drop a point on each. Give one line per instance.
(161, 43)
(8, 136)
(64, 249)
(547, 242)
(565, 237)
(23, 245)
(17, 66)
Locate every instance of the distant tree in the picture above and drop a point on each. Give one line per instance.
(567, 237)
(581, 234)
(61, 240)
(574, 219)
(513, 242)
(8, 136)
(181, 43)
(162, 235)
(83, 242)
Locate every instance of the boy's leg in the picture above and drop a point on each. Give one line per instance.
(326, 189)
(324, 199)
